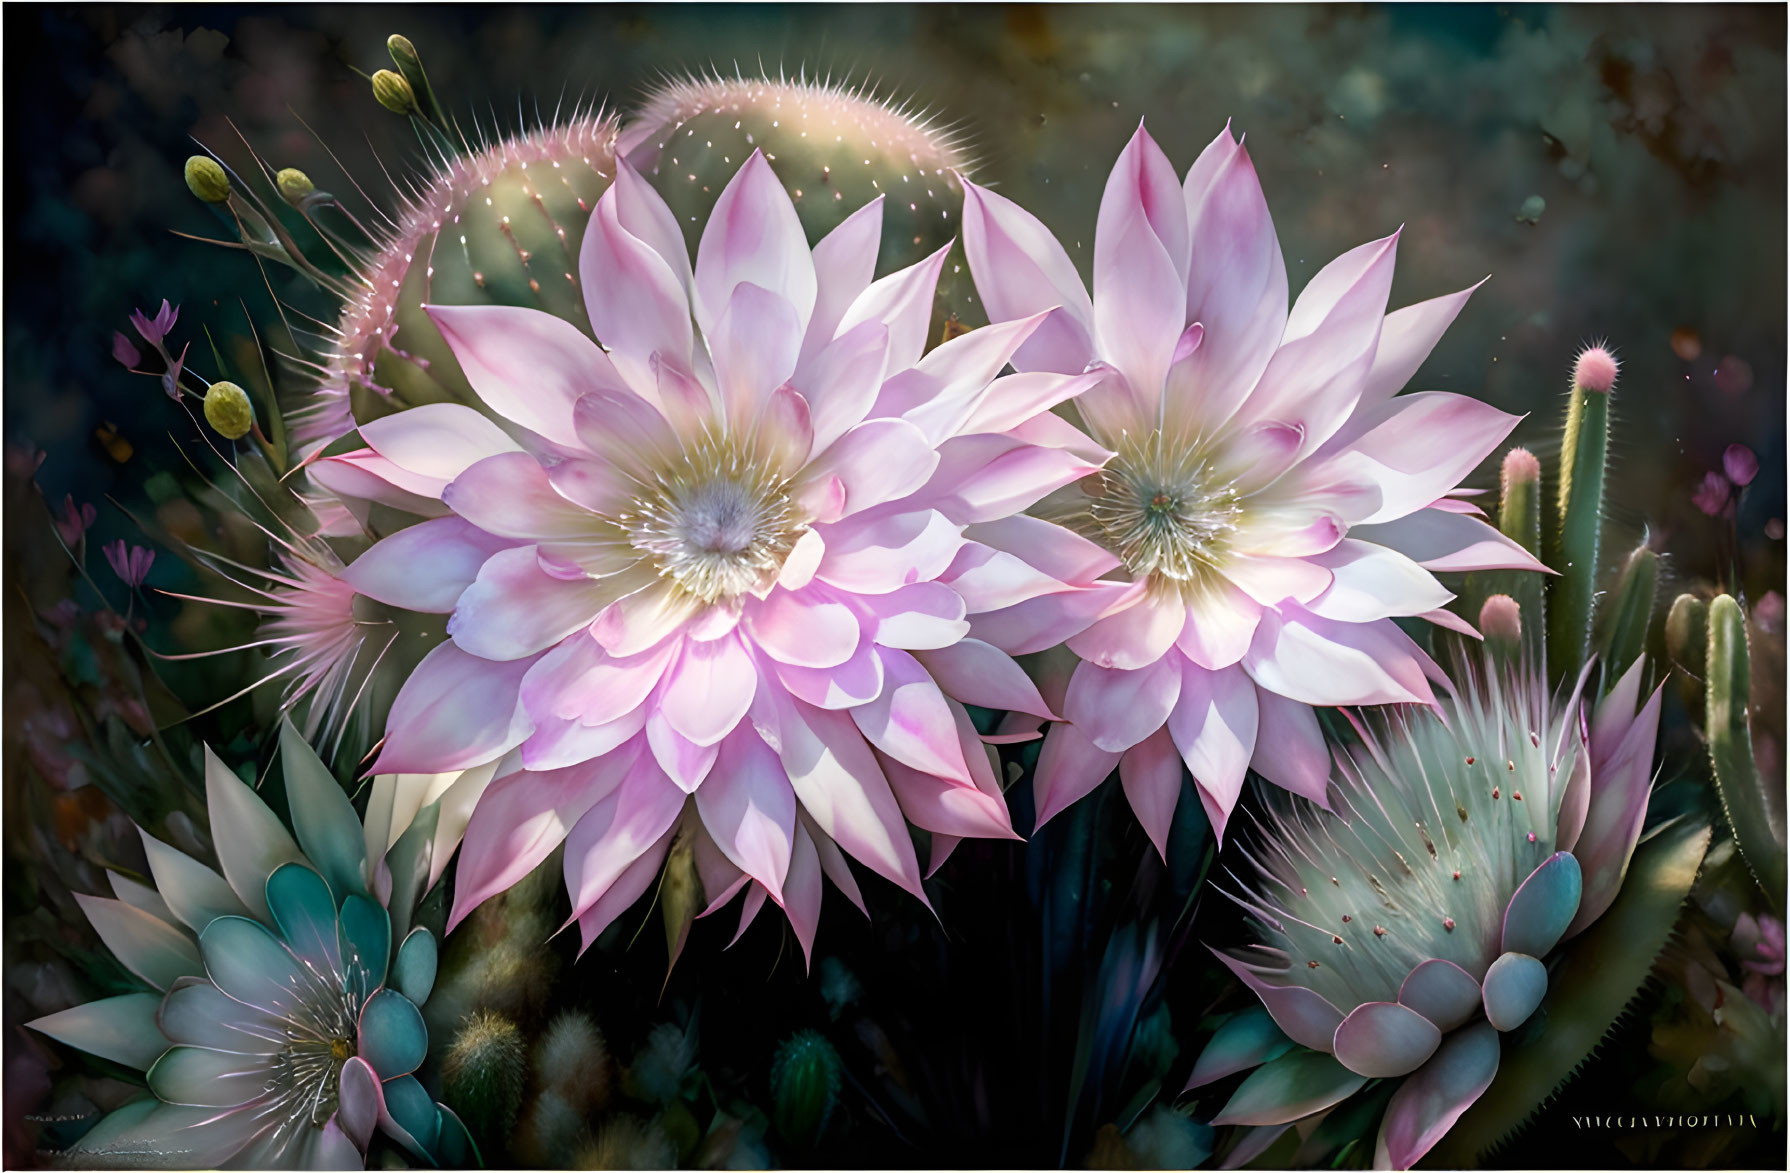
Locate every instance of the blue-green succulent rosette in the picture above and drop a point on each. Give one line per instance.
(283, 1030)
(1411, 931)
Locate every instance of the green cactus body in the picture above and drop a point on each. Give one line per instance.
(1519, 519)
(1630, 613)
(1757, 821)
(483, 1075)
(804, 1086)
(500, 225)
(1575, 536)
(835, 149)
(1687, 644)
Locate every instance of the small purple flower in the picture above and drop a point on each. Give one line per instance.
(130, 563)
(1740, 464)
(171, 376)
(125, 351)
(156, 329)
(74, 520)
(1712, 497)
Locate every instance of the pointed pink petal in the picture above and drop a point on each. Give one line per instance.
(627, 431)
(1150, 771)
(1117, 708)
(841, 787)
(521, 818)
(978, 673)
(1143, 184)
(559, 741)
(682, 760)
(1372, 582)
(1406, 339)
(1622, 747)
(1136, 636)
(922, 616)
(878, 461)
(875, 557)
(580, 681)
(1221, 622)
(1290, 750)
(514, 609)
(1006, 483)
(1310, 659)
(902, 301)
(617, 830)
(708, 689)
(833, 862)
(1438, 539)
(1069, 766)
(1012, 399)
(645, 216)
(620, 896)
(529, 367)
(434, 443)
(753, 235)
(454, 712)
(510, 496)
(1417, 447)
(957, 809)
(988, 579)
(1020, 270)
(749, 807)
(1062, 554)
(1214, 725)
(639, 621)
(1045, 622)
(1140, 302)
(636, 301)
(1236, 282)
(844, 263)
(910, 721)
(841, 381)
(423, 567)
(754, 344)
(1315, 377)
(964, 368)
(802, 893)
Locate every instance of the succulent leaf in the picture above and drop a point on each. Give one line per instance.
(1603, 970)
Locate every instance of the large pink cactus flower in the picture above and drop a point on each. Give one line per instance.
(714, 575)
(1271, 505)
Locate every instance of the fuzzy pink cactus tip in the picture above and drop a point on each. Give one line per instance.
(1595, 369)
(1501, 619)
(1520, 468)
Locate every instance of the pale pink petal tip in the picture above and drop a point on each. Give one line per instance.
(1595, 370)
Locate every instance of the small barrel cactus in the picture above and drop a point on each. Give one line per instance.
(483, 1075)
(835, 148)
(805, 1080)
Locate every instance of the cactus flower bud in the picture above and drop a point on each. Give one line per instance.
(227, 409)
(404, 54)
(394, 93)
(1501, 620)
(294, 185)
(206, 179)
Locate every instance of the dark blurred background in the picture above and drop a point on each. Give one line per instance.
(1618, 170)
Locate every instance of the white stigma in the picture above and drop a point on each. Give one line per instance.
(718, 527)
(1163, 509)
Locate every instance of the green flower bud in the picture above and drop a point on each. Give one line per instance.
(227, 409)
(404, 54)
(294, 185)
(394, 93)
(205, 178)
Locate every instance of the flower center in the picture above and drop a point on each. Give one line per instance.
(1162, 509)
(718, 527)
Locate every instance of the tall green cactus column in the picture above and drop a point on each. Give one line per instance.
(1758, 822)
(1574, 536)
